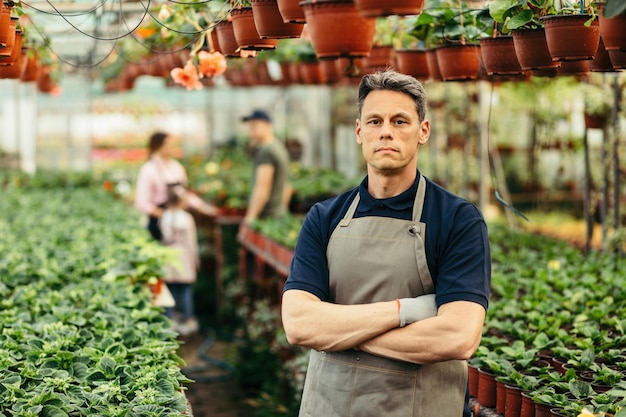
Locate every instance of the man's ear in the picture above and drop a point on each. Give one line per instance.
(424, 132)
(358, 131)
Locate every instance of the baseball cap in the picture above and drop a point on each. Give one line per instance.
(257, 114)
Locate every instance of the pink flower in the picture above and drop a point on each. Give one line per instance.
(211, 63)
(165, 12)
(187, 76)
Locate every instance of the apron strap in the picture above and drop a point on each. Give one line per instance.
(418, 205)
(351, 210)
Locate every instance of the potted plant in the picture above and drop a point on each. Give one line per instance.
(291, 11)
(269, 22)
(337, 29)
(498, 51)
(244, 28)
(573, 32)
(598, 105)
(522, 19)
(382, 54)
(457, 34)
(411, 54)
(612, 19)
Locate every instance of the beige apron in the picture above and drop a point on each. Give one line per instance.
(374, 259)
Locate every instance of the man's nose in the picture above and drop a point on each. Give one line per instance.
(385, 130)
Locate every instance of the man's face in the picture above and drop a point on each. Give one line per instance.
(390, 132)
(257, 130)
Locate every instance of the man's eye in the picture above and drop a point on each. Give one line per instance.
(400, 122)
(373, 122)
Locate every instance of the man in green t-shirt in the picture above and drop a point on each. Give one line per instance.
(270, 191)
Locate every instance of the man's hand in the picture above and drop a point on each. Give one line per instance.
(416, 309)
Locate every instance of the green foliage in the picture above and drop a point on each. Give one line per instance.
(72, 343)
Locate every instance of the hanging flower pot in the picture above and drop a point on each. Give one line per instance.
(6, 50)
(269, 22)
(531, 49)
(380, 57)
(15, 71)
(433, 65)
(376, 8)
(31, 67)
(337, 28)
(413, 62)
(330, 71)
(618, 59)
(291, 11)
(569, 39)
(311, 73)
(579, 68)
(5, 20)
(499, 56)
(601, 62)
(458, 62)
(226, 38)
(613, 30)
(215, 42)
(15, 50)
(246, 33)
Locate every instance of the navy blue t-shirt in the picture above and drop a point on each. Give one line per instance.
(457, 245)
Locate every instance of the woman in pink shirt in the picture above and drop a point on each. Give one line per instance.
(160, 171)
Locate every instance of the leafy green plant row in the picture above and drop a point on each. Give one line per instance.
(556, 325)
(78, 333)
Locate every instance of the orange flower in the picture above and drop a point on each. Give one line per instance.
(187, 76)
(211, 63)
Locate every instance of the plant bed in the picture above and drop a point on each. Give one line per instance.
(78, 333)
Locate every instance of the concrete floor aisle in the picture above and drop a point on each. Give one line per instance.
(214, 394)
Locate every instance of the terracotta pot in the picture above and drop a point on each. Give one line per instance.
(285, 79)
(528, 406)
(269, 22)
(601, 62)
(380, 57)
(413, 62)
(5, 51)
(337, 29)
(531, 49)
(215, 42)
(15, 71)
(618, 59)
(45, 84)
(291, 11)
(330, 71)
(32, 66)
(246, 33)
(311, 73)
(5, 20)
(513, 401)
(458, 62)
(376, 8)
(226, 38)
(294, 73)
(433, 65)
(500, 396)
(580, 68)
(16, 50)
(472, 380)
(542, 410)
(486, 395)
(569, 39)
(499, 56)
(613, 30)
(594, 121)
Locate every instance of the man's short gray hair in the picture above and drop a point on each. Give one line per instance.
(394, 81)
